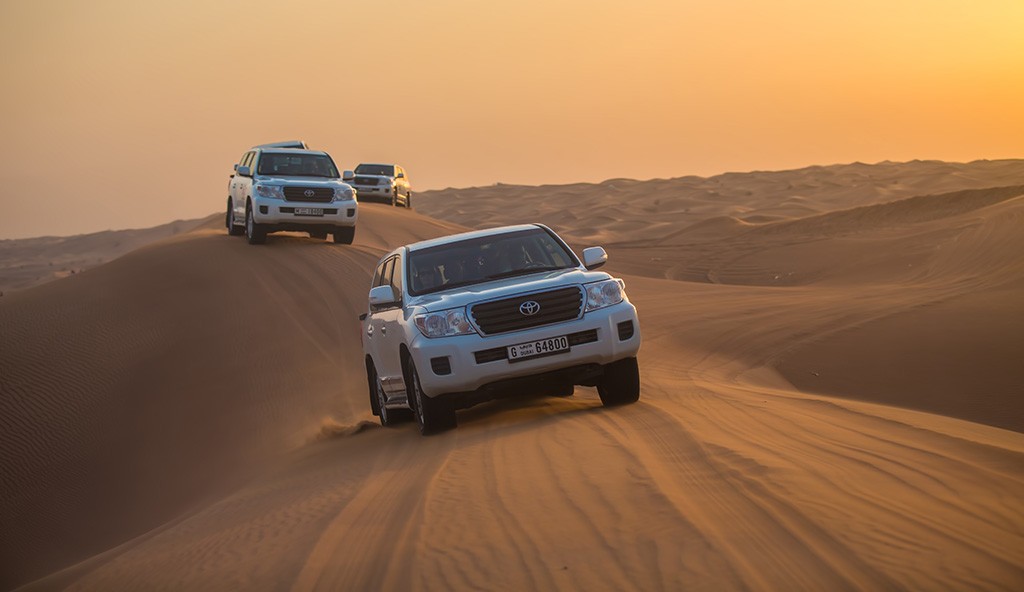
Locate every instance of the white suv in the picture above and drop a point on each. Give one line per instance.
(386, 182)
(467, 318)
(277, 187)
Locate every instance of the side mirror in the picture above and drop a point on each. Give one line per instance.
(244, 171)
(400, 176)
(594, 257)
(236, 166)
(382, 296)
(348, 176)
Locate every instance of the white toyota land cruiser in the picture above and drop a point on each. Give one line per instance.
(281, 187)
(386, 182)
(471, 317)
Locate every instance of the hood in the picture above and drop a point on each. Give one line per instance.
(301, 181)
(524, 284)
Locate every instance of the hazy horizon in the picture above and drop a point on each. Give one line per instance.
(119, 115)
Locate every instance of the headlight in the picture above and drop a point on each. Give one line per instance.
(344, 194)
(606, 293)
(444, 323)
(270, 191)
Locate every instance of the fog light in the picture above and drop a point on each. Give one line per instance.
(441, 366)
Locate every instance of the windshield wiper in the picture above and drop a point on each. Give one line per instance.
(496, 276)
(448, 286)
(525, 271)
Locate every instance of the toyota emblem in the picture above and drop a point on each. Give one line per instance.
(309, 193)
(529, 308)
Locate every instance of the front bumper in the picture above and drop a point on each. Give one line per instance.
(374, 191)
(467, 373)
(278, 212)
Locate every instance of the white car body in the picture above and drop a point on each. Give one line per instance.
(263, 201)
(383, 182)
(468, 368)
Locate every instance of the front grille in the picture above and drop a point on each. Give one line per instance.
(502, 316)
(583, 337)
(319, 194)
(490, 355)
(500, 353)
(366, 180)
(327, 211)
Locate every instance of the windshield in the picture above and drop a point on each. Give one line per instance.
(376, 169)
(479, 260)
(297, 165)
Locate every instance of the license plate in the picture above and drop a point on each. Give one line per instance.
(536, 349)
(309, 211)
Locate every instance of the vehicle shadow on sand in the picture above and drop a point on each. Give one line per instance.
(521, 413)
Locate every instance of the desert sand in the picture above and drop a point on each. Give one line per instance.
(832, 399)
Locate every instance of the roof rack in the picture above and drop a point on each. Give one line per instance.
(297, 144)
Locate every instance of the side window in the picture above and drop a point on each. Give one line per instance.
(396, 277)
(376, 275)
(249, 161)
(241, 161)
(385, 276)
(389, 274)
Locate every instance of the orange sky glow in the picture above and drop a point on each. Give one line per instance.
(118, 113)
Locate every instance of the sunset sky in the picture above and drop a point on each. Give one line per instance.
(129, 113)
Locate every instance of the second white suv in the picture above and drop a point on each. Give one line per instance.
(282, 188)
(386, 182)
(471, 317)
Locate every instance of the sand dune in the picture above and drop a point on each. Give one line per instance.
(33, 261)
(670, 205)
(831, 400)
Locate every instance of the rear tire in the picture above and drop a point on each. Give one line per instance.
(344, 235)
(254, 233)
(620, 384)
(229, 222)
(433, 415)
(371, 382)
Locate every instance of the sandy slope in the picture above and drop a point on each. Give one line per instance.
(33, 261)
(157, 435)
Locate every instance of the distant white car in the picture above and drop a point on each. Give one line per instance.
(287, 187)
(385, 182)
(463, 319)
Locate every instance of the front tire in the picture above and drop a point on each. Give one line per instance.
(344, 235)
(433, 415)
(408, 200)
(394, 197)
(620, 384)
(254, 233)
(318, 234)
